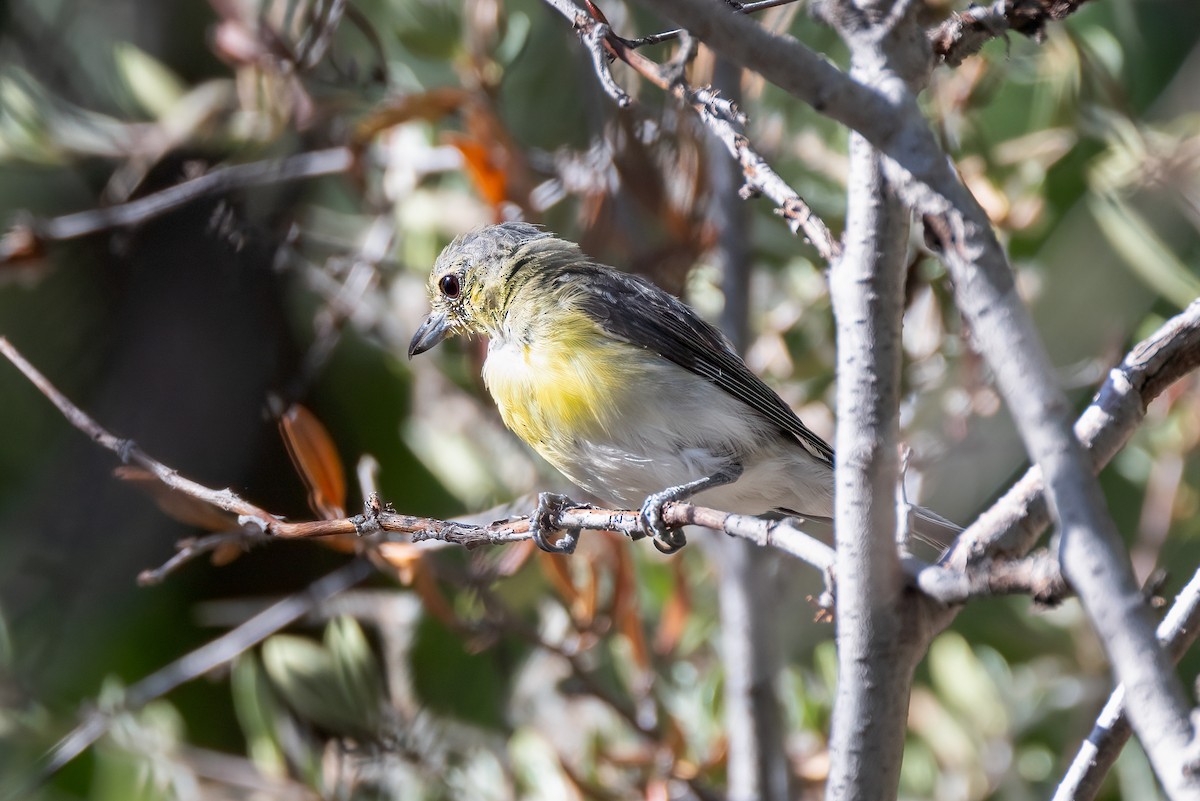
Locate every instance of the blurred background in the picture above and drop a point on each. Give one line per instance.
(503, 673)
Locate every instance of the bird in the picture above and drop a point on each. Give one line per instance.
(623, 387)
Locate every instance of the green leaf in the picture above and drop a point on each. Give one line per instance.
(964, 684)
(258, 713)
(151, 85)
(313, 680)
(1150, 258)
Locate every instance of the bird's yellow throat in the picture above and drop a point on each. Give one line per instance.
(560, 380)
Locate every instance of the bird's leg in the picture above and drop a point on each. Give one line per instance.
(544, 521)
(671, 540)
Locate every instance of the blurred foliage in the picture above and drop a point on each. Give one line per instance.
(509, 674)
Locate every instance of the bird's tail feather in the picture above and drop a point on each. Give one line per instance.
(932, 529)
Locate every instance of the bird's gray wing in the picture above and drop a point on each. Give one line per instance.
(634, 310)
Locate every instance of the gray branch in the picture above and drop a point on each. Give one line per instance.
(876, 654)
(748, 577)
(1011, 527)
(1099, 751)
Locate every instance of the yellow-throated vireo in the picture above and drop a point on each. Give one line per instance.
(623, 387)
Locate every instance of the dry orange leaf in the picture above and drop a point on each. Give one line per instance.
(556, 569)
(675, 612)
(431, 595)
(488, 177)
(403, 557)
(625, 604)
(316, 460)
(584, 610)
(224, 554)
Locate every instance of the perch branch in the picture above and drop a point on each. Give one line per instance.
(381, 523)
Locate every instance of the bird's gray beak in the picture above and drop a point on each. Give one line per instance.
(432, 331)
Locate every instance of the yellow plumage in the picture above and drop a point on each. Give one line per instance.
(560, 381)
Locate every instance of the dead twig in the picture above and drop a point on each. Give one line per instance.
(721, 116)
(26, 237)
(963, 35)
(204, 659)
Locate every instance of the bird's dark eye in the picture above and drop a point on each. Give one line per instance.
(450, 286)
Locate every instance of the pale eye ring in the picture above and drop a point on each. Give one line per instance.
(450, 286)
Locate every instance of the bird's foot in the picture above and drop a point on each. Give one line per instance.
(544, 524)
(667, 540)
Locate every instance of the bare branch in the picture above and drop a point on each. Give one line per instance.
(383, 521)
(1037, 575)
(130, 453)
(195, 547)
(1011, 527)
(963, 35)
(721, 116)
(26, 236)
(876, 654)
(727, 123)
(204, 659)
(1098, 752)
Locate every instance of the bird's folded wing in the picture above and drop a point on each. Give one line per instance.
(633, 310)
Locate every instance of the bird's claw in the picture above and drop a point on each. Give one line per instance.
(666, 540)
(545, 521)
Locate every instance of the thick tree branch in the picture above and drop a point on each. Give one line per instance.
(1011, 527)
(876, 651)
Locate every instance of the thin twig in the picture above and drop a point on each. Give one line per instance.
(195, 547)
(676, 33)
(130, 453)
(721, 117)
(319, 34)
(594, 35)
(343, 300)
(963, 35)
(26, 235)
(204, 659)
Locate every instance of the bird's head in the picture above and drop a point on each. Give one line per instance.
(478, 277)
